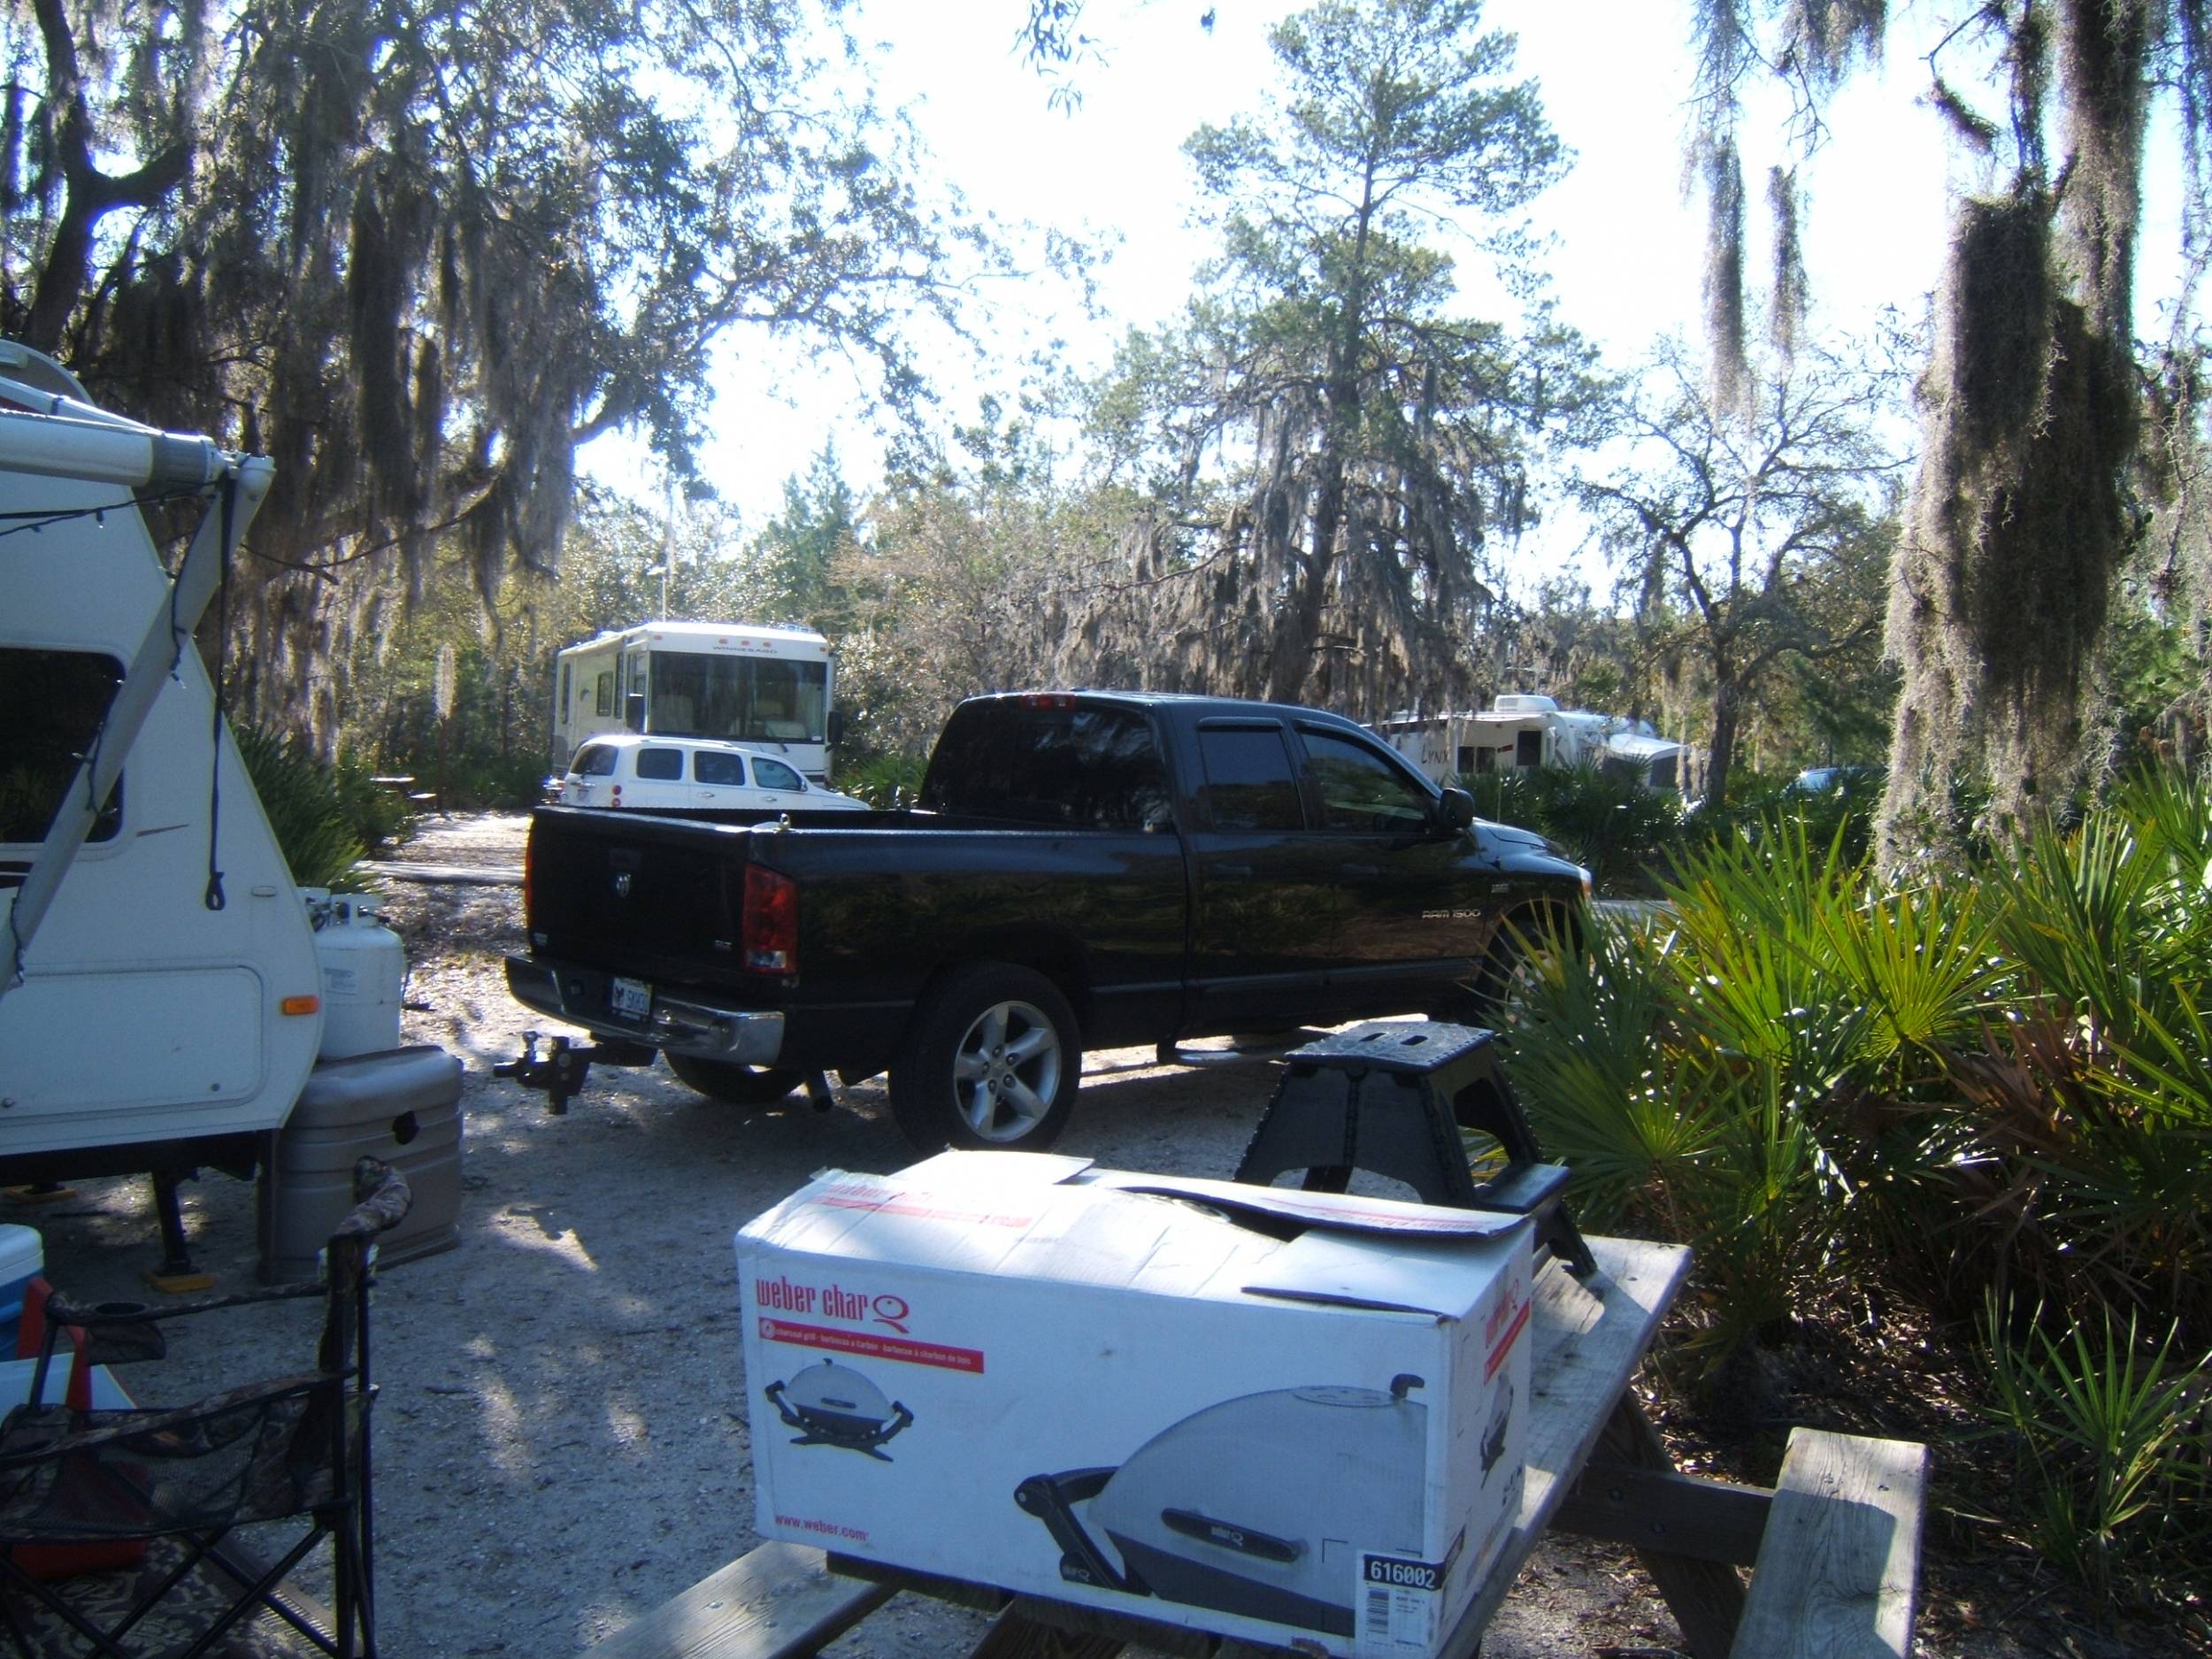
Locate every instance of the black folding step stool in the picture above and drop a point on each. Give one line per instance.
(1390, 1097)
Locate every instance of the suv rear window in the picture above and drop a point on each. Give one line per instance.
(595, 760)
(1050, 766)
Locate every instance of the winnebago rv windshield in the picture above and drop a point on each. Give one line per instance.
(765, 686)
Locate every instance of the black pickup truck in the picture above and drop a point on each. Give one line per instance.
(1082, 870)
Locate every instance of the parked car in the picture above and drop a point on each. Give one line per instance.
(1827, 779)
(691, 772)
(1082, 871)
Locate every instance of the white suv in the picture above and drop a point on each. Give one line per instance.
(690, 772)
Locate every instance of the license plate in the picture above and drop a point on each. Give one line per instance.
(632, 999)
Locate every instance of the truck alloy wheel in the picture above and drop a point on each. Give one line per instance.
(993, 1060)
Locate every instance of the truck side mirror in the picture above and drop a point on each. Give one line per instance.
(836, 727)
(1455, 811)
(633, 710)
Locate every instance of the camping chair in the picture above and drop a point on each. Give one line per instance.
(292, 1447)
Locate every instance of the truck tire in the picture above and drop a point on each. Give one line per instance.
(735, 1085)
(992, 1059)
(1487, 996)
(1495, 996)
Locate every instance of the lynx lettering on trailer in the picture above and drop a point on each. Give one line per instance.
(768, 688)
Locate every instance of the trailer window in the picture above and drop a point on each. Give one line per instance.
(605, 705)
(57, 700)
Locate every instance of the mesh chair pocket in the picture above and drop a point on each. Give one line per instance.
(252, 1453)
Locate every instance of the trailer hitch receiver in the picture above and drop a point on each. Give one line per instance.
(562, 1070)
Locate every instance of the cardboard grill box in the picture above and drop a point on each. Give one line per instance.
(1132, 1392)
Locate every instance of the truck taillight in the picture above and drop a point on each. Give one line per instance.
(771, 934)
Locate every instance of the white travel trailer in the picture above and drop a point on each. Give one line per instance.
(1523, 731)
(161, 991)
(743, 682)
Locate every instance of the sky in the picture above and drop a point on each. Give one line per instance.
(1626, 257)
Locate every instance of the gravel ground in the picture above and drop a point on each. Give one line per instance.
(561, 1435)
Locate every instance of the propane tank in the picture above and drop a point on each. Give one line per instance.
(364, 974)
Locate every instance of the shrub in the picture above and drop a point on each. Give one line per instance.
(1614, 828)
(883, 780)
(1992, 1082)
(302, 801)
(2110, 1441)
(381, 817)
(471, 781)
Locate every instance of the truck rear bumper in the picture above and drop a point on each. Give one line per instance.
(677, 1025)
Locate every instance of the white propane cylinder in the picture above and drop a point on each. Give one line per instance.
(364, 976)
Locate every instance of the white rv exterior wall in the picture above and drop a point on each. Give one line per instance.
(143, 1015)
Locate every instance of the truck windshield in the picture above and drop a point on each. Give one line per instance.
(754, 699)
(1053, 767)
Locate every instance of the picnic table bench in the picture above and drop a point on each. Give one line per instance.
(1833, 1546)
(403, 786)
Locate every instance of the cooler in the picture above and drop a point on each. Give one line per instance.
(402, 1106)
(22, 1258)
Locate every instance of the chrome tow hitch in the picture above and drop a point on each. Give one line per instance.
(566, 1064)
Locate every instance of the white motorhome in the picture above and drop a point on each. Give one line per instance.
(161, 989)
(1520, 731)
(744, 682)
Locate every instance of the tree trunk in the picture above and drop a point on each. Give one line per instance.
(1298, 631)
(1721, 757)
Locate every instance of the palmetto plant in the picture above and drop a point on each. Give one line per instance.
(1673, 1129)
(2110, 1437)
(1992, 1084)
(1595, 1063)
(303, 806)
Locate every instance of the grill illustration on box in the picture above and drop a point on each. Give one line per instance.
(834, 1405)
(1231, 1508)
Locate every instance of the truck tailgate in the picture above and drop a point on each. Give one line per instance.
(660, 897)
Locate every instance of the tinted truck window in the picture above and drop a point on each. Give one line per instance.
(1048, 765)
(1359, 789)
(1249, 785)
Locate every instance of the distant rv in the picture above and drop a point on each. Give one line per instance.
(1521, 731)
(767, 687)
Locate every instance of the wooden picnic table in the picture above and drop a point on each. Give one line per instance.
(1833, 1546)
